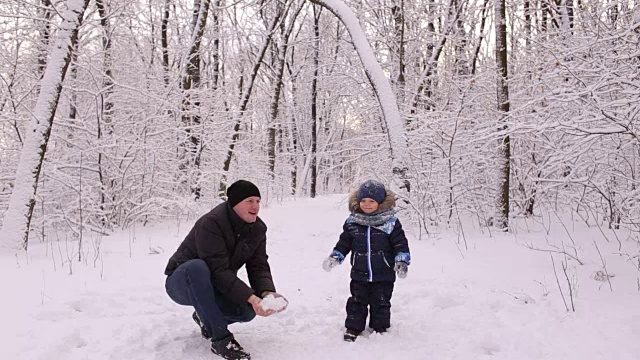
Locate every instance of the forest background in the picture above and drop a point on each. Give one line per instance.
(118, 112)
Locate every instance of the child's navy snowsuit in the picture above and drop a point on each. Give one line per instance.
(374, 251)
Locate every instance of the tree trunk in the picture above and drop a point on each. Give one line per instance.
(17, 219)
(460, 39)
(191, 144)
(164, 39)
(216, 44)
(504, 156)
(565, 9)
(105, 109)
(293, 130)
(527, 24)
(73, 99)
(47, 14)
(397, 11)
(545, 12)
(105, 104)
(271, 146)
(483, 22)
(314, 102)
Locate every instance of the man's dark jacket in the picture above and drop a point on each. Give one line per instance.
(226, 243)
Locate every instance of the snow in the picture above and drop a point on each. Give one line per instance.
(271, 302)
(492, 299)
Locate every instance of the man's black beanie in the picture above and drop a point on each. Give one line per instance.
(241, 190)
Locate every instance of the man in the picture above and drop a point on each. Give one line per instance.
(203, 271)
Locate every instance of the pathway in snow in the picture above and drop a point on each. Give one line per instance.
(487, 302)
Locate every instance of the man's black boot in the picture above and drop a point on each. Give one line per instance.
(228, 348)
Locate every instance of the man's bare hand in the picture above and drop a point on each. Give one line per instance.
(256, 304)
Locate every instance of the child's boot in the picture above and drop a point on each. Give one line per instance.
(350, 335)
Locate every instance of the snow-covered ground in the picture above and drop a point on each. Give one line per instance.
(492, 299)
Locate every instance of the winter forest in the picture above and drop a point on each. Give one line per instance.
(118, 112)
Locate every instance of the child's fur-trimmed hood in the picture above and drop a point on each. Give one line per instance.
(388, 203)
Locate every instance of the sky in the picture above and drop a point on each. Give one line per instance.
(494, 298)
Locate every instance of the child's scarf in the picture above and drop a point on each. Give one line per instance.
(384, 220)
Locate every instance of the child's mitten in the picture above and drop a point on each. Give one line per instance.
(401, 269)
(333, 260)
(329, 263)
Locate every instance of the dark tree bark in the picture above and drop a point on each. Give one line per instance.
(164, 40)
(483, 22)
(314, 101)
(397, 11)
(504, 157)
(191, 145)
(105, 104)
(47, 15)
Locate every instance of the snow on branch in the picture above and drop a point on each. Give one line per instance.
(375, 74)
(17, 218)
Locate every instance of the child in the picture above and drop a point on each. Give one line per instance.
(375, 238)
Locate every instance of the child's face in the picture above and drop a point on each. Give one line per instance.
(368, 205)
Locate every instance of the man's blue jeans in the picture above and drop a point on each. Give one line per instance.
(191, 285)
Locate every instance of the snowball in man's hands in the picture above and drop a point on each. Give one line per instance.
(271, 302)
